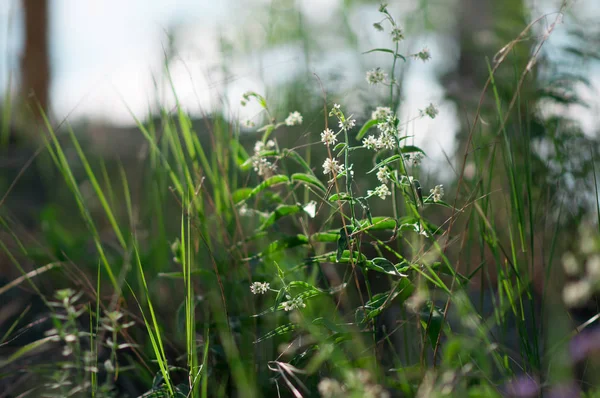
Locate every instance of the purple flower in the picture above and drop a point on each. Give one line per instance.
(585, 344)
(564, 391)
(523, 386)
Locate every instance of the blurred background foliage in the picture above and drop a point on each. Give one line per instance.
(295, 52)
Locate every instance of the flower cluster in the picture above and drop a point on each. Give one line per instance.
(430, 111)
(248, 123)
(383, 175)
(294, 119)
(347, 124)
(356, 382)
(437, 193)
(260, 163)
(586, 269)
(381, 113)
(376, 76)
(328, 137)
(332, 166)
(424, 55)
(397, 35)
(293, 303)
(259, 287)
(382, 191)
(414, 158)
(388, 131)
(344, 123)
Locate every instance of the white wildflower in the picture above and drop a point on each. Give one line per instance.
(370, 142)
(592, 267)
(382, 191)
(270, 144)
(70, 338)
(67, 350)
(375, 391)
(244, 210)
(437, 193)
(415, 302)
(397, 35)
(108, 366)
(577, 293)
(293, 303)
(470, 170)
(248, 123)
(376, 76)
(381, 113)
(259, 287)
(347, 124)
(311, 208)
(293, 119)
(259, 146)
(424, 55)
(330, 388)
(430, 111)
(383, 175)
(388, 126)
(587, 241)
(570, 264)
(328, 137)
(415, 158)
(332, 166)
(386, 141)
(262, 166)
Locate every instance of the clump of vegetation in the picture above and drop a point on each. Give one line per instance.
(333, 267)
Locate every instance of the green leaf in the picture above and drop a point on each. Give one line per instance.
(269, 129)
(383, 50)
(283, 329)
(285, 243)
(241, 195)
(439, 202)
(399, 294)
(412, 149)
(385, 162)
(295, 156)
(325, 237)
(339, 146)
(309, 179)
(342, 244)
(378, 224)
(386, 50)
(365, 128)
(332, 257)
(25, 349)
(431, 320)
(341, 196)
(383, 265)
(372, 308)
(280, 211)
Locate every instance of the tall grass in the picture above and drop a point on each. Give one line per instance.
(327, 268)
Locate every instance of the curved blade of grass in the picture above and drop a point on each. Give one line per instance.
(280, 211)
(154, 330)
(365, 128)
(309, 179)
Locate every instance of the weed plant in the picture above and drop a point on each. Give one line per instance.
(328, 268)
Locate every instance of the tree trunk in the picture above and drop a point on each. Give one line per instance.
(35, 64)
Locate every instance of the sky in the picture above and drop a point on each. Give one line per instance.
(107, 60)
